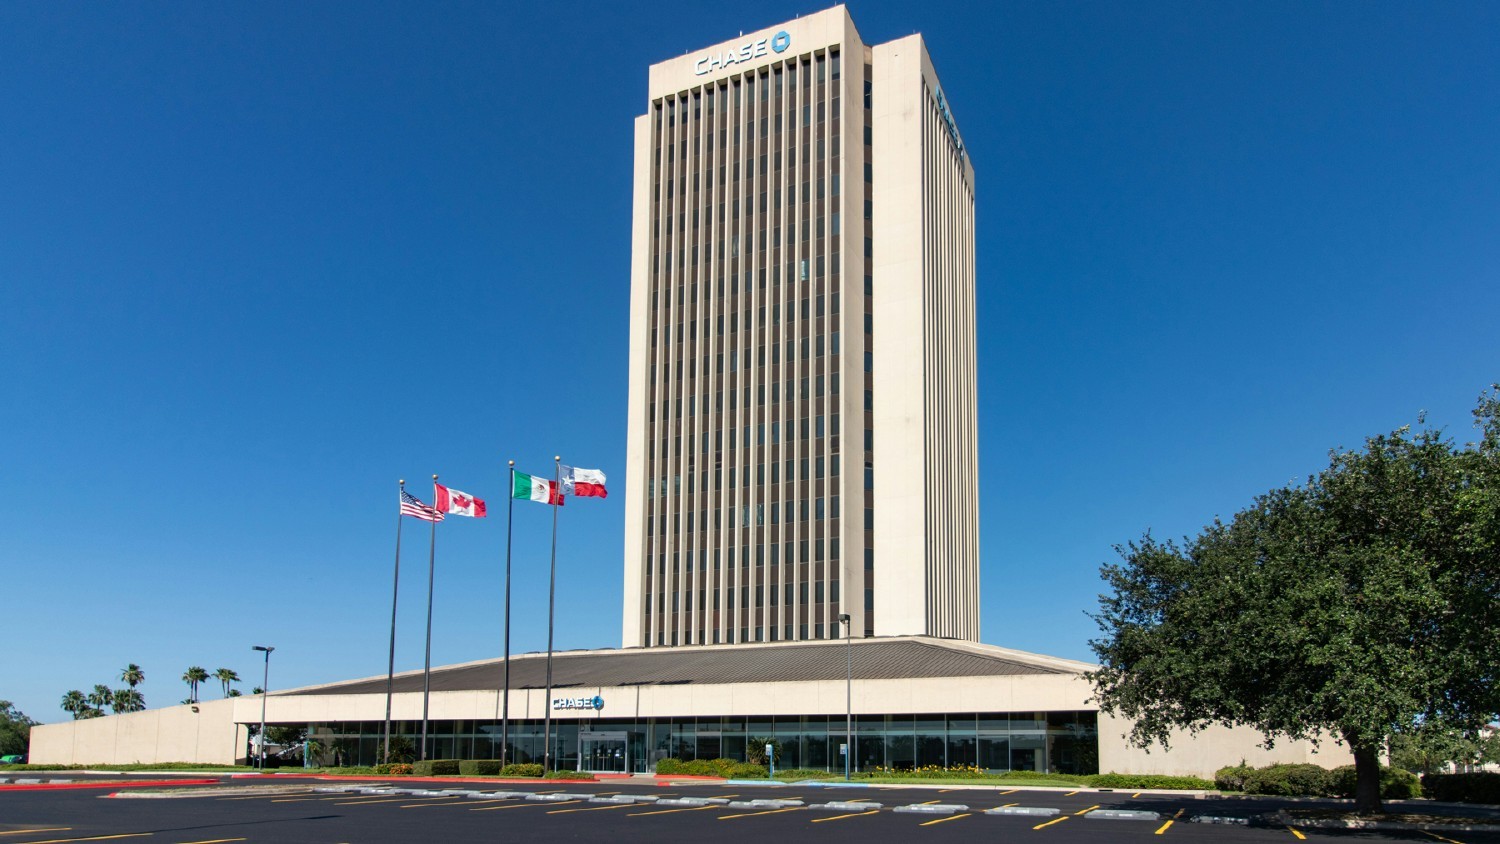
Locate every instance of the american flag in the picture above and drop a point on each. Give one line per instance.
(411, 506)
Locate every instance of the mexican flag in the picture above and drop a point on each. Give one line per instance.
(536, 489)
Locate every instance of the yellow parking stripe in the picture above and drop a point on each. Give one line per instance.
(214, 841)
(1164, 827)
(34, 831)
(1086, 811)
(1070, 794)
(524, 806)
(754, 814)
(841, 817)
(669, 811)
(272, 796)
(466, 803)
(93, 838)
(1012, 791)
(1300, 836)
(591, 809)
(1051, 822)
(944, 820)
(1441, 838)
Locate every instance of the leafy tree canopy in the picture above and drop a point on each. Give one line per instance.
(15, 729)
(1360, 604)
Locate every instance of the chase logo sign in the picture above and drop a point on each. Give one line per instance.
(777, 43)
(596, 702)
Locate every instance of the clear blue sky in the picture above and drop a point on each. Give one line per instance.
(259, 261)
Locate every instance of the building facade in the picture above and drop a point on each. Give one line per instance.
(802, 414)
(801, 446)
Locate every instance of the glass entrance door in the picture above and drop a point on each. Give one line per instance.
(603, 752)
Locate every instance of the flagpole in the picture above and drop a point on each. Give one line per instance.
(390, 671)
(510, 512)
(427, 660)
(551, 605)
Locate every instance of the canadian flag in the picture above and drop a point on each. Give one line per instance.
(457, 503)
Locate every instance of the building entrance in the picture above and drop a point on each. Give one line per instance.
(604, 751)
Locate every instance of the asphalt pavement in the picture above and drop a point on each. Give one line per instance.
(284, 809)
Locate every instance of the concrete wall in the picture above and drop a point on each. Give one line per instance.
(172, 734)
(213, 734)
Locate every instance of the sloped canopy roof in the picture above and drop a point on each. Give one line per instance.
(873, 659)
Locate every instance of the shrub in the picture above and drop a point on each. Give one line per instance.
(1234, 777)
(479, 767)
(696, 767)
(1146, 781)
(569, 775)
(436, 768)
(1301, 780)
(521, 769)
(1395, 783)
(1462, 788)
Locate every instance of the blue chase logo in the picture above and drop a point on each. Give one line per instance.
(778, 43)
(596, 703)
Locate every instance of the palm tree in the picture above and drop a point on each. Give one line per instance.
(133, 676)
(99, 698)
(74, 702)
(225, 677)
(128, 700)
(193, 676)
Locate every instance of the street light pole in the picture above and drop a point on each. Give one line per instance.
(848, 691)
(265, 689)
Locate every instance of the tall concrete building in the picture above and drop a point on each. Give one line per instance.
(802, 425)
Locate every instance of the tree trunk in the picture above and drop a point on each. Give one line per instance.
(1367, 778)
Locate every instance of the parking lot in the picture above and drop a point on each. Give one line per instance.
(288, 810)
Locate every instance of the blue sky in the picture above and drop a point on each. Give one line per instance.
(259, 261)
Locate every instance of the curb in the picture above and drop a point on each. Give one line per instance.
(69, 786)
(1282, 819)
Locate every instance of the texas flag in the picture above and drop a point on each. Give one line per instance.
(583, 483)
(457, 503)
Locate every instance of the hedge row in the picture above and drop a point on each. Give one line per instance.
(1306, 780)
(1146, 781)
(1463, 788)
(727, 768)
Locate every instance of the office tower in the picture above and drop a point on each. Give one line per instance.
(802, 437)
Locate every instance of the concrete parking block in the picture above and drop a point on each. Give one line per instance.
(933, 808)
(847, 806)
(1122, 815)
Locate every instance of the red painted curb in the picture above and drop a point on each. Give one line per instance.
(404, 778)
(65, 786)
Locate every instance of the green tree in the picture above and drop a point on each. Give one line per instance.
(74, 703)
(15, 730)
(132, 676)
(225, 677)
(193, 676)
(127, 700)
(99, 698)
(1358, 605)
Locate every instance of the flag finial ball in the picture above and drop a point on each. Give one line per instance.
(402, 481)
(557, 458)
(434, 477)
(512, 462)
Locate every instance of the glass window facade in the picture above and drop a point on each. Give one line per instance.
(1055, 742)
